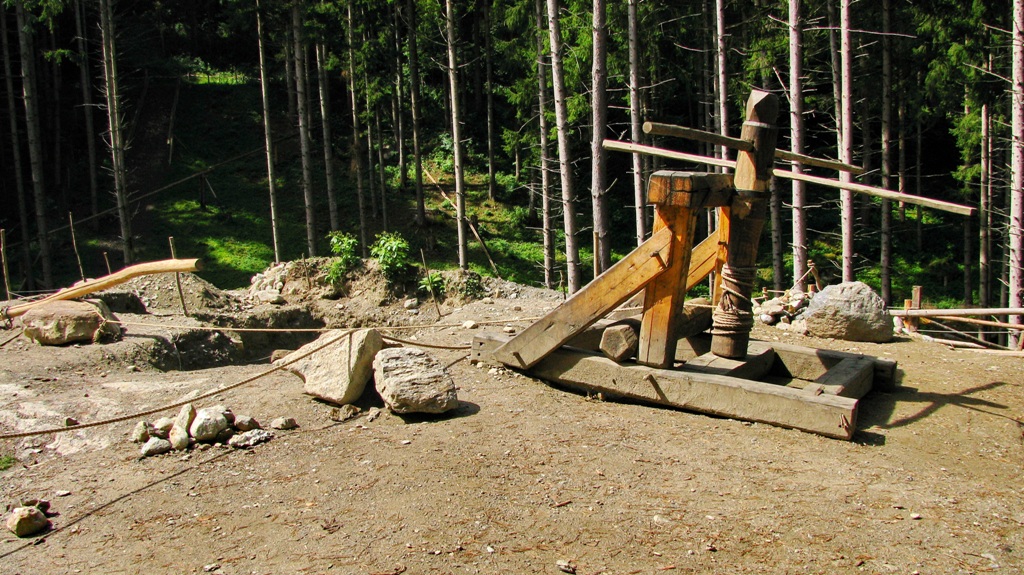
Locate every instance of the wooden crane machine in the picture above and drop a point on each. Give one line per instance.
(725, 373)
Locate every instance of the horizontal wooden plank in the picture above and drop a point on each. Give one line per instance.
(690, 189)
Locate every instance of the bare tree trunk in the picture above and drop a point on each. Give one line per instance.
(356, 153)
(796, 130)
(599, 120)
(635, 119)
(268, 135)
(414, 103)
(1016, 231)
(116, 124)
(846, 139)
(985, 216)
(886, 252)
(545, 172)
(778, 263)
(902, 211)
(325, 121)
(722, 77)
(492, 183)
(90, 127)
(453, 83)
(19, 175)
(397, 100)
(303, 114)
(382, 176)
(918, 185)
(572, 252)
(371, 182)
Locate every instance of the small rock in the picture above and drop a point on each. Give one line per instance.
(132, 368)
(250, 438)
(344, 413)
(411, 303)
(284, 423)
(27, 521)
(142, 431)
(40, 504)
(915, 516)
(178, 438)
(162, 427)
(565, 566)
(211, 567)
(62, 493)
(155, 446)
(70, 422)
(246, 423)
(487, 300)
(373, 414)
(508, 329)
(209, 422)
(186, 415)
(225, 435)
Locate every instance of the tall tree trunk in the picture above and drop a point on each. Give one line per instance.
(635, 119)
(381, 175)
(325, 120)
(398, 99)
(298, 47)
(721, 76)
(356, 153)
(846, 138)
(414, 103)
(35, 142)
(572, 252)
(985, 216)
(268, 135)
(116, 124)
(778, 245)
(492, 183)
(1016, 231)
(886, 254)
(599, 120)
(545, 172)
(918, 184)
(453, 86)
(289, 72)
(796, 134)
(19, 175)
(85, 79)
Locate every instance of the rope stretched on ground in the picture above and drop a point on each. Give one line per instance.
(217, 391)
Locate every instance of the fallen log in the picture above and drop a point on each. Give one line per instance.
(118, 277)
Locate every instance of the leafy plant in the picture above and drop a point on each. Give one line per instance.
(392, 253)
(6, 462)
(433, 284)
(343, 246)
(472, 287)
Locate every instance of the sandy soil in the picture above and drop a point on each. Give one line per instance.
(522, 476)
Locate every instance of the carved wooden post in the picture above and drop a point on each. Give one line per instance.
(733, 319)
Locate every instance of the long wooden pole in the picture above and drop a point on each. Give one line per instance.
(788, 174)
(3, 254)
(119, 277)
(957, 312)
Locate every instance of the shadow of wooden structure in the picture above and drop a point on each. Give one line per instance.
(676, 364)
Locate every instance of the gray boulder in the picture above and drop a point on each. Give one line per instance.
(337, 373)
(155, 446)
(410, 381)
(62, 322)
(246, 423)
(209, 422)
(849, 311)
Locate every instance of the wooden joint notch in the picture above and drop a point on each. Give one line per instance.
(689, 189)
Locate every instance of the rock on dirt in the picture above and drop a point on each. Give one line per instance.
(27, 521)
(245, 423)
(64, 322)
(410, 381)
(155, 446)
(250, 438)
(850, 311)
(209, 422)
(284, 423)
(339, 372)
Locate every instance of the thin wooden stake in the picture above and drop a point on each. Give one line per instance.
(430, 284)
(305, 271)
(3, 254)
(106, 258)
(177, 279)
(74, 245)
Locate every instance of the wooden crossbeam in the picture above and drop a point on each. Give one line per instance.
(590, 304)
(659, 129)
(934, 204)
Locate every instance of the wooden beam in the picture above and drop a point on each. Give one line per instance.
(851, 377)
(940, 205)
(758, 362)
(957, 312)
(119, 277)
(589, 304)
(689, 189)
(809, 364)
(703, 259)
(658, 129)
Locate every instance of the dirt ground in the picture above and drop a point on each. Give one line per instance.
(519, 478)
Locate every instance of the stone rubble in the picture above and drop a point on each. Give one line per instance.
(215, 425)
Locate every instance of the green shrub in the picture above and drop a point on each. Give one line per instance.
(472, 287)
(392, 253)
(343, 246)
(432, 284)
(6, 462)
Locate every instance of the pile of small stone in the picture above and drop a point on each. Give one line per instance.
(266, 286)
(205, 427)
(783, 309)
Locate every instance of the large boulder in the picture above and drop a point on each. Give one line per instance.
(337, 373)
(410, 381)
(62, 322)
(850, 311)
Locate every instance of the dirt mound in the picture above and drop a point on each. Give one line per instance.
(160, 292)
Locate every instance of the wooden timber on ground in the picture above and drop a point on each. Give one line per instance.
(118, 277)
(821, 412)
